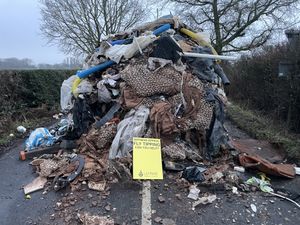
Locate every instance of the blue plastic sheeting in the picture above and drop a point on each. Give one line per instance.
(40, 137)
(85, 73)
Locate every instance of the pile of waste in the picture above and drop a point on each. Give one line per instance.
(160, 80)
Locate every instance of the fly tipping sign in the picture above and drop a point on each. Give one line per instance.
(147, 162)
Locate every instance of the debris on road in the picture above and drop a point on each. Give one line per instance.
(194, 173)
(87, 219)
(36, 185)
(173, 166)
(239, 169)
(286, 198)
(194, 192)
(135, 86)
(157, 220)
(217, 176)
(40, 137)
(256, 162)
(27, 197)
(167, 221)
(204, 200)
(160, 81)
(97, 186)
(253, 207)
(161, 199)
(64, 179)
(30, 154)
(297, 170)
(264, 185)
(235, 190)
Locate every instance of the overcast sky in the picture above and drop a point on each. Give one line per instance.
(20, 35)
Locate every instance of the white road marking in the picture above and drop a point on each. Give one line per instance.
(146, 203)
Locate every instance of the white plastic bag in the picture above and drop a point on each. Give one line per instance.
(40, 137)
(133, 125)
(103, 93)
(116, 52)
(66, 103)
(85, 87)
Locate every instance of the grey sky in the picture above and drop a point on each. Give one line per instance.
(20, 35)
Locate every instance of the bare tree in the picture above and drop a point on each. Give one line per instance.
(78, 25)
(237, 25)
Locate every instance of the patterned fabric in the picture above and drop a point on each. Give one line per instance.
(106, 134)
(162, 119)
(175, 151)
(98, 139)
(195, 112)
(145, 83)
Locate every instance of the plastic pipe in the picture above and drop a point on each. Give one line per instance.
(199, 39)
(156, 32)
(85, 73)
(162, 29)
(118, 42)
(208, 56)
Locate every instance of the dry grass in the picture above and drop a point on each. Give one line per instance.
(261, 127)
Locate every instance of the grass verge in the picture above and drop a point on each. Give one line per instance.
(31, 119)
(261, 127)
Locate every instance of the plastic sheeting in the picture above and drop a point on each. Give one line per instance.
(116, 52)
(133, 125)
(82, 118)
(84, 87)
(166, 48)
(40, 137)
(194, 174)
(66, 103)
(104, 95)
(203, 68)
(217, 135)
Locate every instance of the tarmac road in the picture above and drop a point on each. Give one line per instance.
(128, 201)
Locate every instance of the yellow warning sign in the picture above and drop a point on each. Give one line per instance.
(147, 162)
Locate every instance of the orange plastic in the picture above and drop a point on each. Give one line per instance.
(22, 155)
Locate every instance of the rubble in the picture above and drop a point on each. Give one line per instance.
(87, 219)
(204, 200)
(161, 199)
(194, 192)
(167, 221)
(146, 84)
(161, 80)
(97, 186)
(36, 185)
(253, 207)
(146, 89)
